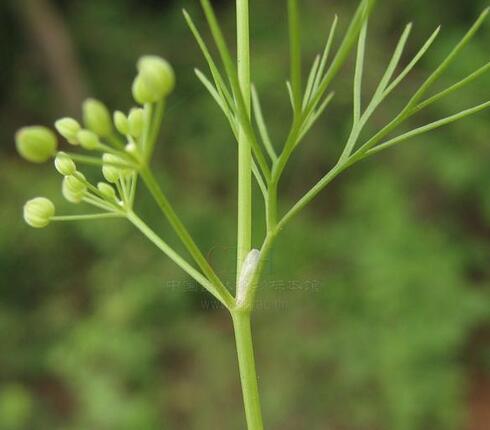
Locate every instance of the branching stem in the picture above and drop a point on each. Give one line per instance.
(169, 252)
(184, 235)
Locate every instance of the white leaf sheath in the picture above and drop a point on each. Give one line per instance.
(246, 275)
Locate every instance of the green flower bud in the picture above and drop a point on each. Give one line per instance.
(38, 212)
(157, 74)
(73, 189)
(111, 172)
(132, 149)
(121, 122)
(36, 144)
(68, 128)
(88, 139)
(107, 191)
(97, 118)
(142, 93)
(64, 164)
(136, 122)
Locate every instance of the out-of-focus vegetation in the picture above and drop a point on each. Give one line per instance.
(374, 314)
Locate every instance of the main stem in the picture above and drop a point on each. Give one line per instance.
(244, 237)
(241, 318)
(246, 362)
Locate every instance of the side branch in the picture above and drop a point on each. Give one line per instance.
(183, 234)
(174, 256)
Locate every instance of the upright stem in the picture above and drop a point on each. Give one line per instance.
(248, 376)
(244, 237)
(241, 317)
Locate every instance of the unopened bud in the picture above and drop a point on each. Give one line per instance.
(68, 128)
(88, 139)
(107, 191)
(111, 171)
(97, 118)
(38, 212)
(36, 144)
(142, 93)
(64, 164)
(158, 74)
(73, 189)
(136, 122)
(121, 122)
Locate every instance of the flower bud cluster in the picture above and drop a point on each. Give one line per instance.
(120, 139)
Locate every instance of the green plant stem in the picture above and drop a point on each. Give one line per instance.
(272, 204)
(158, 113)
(355, 27)
(295, 48)
(231, 71)
(428, 127)
(174, 256)
(241, 318)
(244, 236)
(312, 193)
(184, 235)
(411, 107)
(94, 161)
(147, 129)
(246, 362)
(88, 217)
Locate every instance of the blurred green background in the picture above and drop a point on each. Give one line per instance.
(374, 314)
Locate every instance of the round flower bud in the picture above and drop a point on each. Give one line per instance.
(157, 74)
(73, 189)
(38, 212)
(68, 128)
(88, 139)
(136, 122)
(107, 191)
(36, 144)
(97, 118)
(112, 173)
(64, 164)
(121, 122)
(142, 93)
